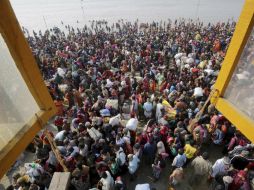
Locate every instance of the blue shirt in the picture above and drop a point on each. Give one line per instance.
(149, 149)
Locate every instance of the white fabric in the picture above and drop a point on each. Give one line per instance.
(159, 106)
(112, 103)
(191, 55)
(178, 55)
(198, 92)
(133, 164)
(61, 72)
(178, 62)
(134, 105)
(123, 84)
(75, 150)
(132, 124)
(60, 136)
(108, 183)
(184, 59)
(52, 159)
(148, 107)
(145, 186)
(109, 83)
(74, 124)
(33, 170)
(83, 152)
(190, 61)
(120, 142)
(179, 160)
(209, 71)
(94, 134)
(114, 121)
(127, 139)
(218, 168)
(121, 155)
(160, 147)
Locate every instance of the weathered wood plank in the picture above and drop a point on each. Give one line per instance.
(60, 181)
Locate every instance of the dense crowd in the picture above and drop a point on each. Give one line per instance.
(127, 95)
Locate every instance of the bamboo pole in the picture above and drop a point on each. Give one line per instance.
(200, 113)
(55, 150)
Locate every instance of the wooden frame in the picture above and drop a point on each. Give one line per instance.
(242, 32)
(27, 66)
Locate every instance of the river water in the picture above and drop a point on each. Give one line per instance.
(40, 14)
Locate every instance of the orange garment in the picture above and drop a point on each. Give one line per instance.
(59, 107)
(44, 139)
(217, 45)
(77, 98)
(153, 86)
(163, 86)
(139, 99)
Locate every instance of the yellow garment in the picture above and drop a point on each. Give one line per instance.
(170, 112)
(197, 37)
(106, 119)
(202, 64)
(23, 179)
(189, 151)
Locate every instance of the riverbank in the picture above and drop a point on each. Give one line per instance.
(40, 15)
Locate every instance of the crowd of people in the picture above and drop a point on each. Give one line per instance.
(127, 95)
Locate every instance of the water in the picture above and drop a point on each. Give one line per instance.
(40, 14)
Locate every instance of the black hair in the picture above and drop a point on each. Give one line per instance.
(104, 175)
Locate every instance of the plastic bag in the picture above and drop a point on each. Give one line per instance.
(132, 124)
(198, 92)
(178, 62)
(178, 55)
(209, 71)
(112, 104)
(105, 112)
(114, 121)
(190, 60)
(145, 186)
(61, 72)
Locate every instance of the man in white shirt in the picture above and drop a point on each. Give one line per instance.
(220, 167)
(83, 150)
(107, 181)
(159, 108)
(180, 159)
(60, 135)
(202, 168)
(120, 155)
(133, 164)
(148, 107)
(52, 159)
